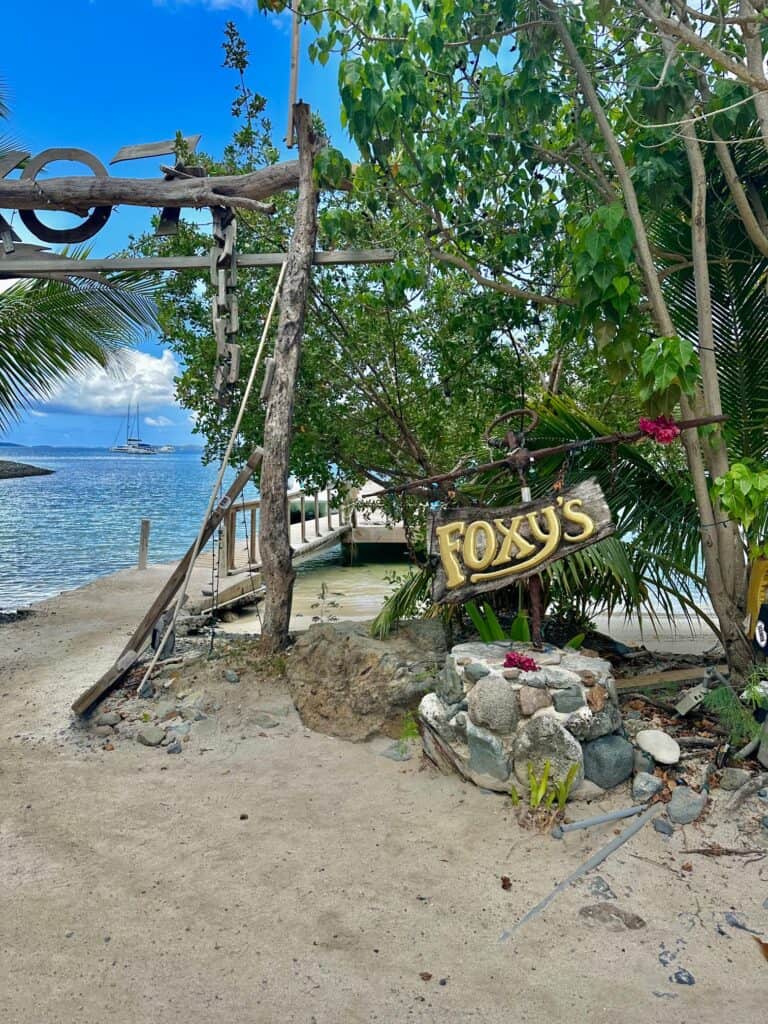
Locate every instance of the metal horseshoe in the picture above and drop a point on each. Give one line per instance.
(92, 224)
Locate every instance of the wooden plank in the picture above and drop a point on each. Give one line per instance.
(31, 265)
(130, 653)
(653, 679)
(377, 535)
(144, 543)
(245, 591)
(485, 549)
(146, 149)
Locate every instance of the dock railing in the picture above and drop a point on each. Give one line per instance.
(318, 517)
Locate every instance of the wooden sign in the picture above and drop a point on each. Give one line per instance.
(482, 549)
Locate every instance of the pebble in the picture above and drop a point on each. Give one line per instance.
(659, 745)
(642, 762)
(644, 786)
(614, 918)
(230, 676)
(174, 747)
(662, 825)
(764, 823)
(396, 752)
(265, 721)
(104, 730)
(682, 977)
(762, 794)
(686, 805)
(151, 735)
(108, 718)
(607, 761)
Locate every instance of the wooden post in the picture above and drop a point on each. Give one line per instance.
(278, 571)
(254, 549)
(144, 543)
(303, 502)
(316, 511)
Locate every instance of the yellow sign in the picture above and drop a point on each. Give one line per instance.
(481, 549)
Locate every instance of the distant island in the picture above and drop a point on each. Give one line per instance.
(14, 470)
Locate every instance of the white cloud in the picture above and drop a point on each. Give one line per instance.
(135, 376)
(158, 421)
(36, 412)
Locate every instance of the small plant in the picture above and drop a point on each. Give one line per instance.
(733, 715)
(513, 659)
(563, 787)
(514, 796)
(485, 622)
(538, 787)
(322, 603)
(408, 732)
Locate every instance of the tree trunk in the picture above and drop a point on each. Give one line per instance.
(277, 569)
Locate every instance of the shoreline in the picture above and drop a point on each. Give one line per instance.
(10, 470)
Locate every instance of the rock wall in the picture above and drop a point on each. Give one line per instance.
(489, 722)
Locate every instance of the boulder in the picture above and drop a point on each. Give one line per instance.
(545, 739)
(662, 748)
(608, 761)
(493, 703)
(346, 683)
(604, 722)
(569, 699)
(486, 754)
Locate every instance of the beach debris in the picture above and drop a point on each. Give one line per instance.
(686, 805)
(601, 819)
(174, 747)
(588, 865)
(682, 977)
(601, 889)
(506, 882)
(746, 791)
(659, 744)
(763, 946)
(645, 786)
(615, 918)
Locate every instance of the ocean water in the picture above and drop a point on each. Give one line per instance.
(61, 531)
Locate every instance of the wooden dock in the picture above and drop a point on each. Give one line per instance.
(319, 523)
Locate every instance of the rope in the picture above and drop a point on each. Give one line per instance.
(220, 477)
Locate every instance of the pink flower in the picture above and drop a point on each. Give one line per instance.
(521, 661)
(663, 430)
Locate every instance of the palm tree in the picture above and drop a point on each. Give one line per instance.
(52, 328)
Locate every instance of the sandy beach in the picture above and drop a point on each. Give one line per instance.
(280, 874)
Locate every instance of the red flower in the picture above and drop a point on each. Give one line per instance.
(663, 430)
(521, 661)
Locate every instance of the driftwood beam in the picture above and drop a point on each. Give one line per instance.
(84, 191)
(36, 264)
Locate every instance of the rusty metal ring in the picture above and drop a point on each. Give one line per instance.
(92, 224)
(533, 416)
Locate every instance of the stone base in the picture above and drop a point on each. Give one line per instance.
(488, 723)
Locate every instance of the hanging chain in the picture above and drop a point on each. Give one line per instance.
(225, 313)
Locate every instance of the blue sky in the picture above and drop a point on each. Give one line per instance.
(100, 74)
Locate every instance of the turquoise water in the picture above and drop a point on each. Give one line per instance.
(61, 531)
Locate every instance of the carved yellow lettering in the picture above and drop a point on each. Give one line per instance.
(472, 557)
(580, 518)
(449, 547)
(551, 539)
(511, 536)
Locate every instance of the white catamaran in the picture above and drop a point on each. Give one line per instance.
(134, 445)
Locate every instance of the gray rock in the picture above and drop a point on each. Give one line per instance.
(642, 762)
(104, 730)
(346, 683)
(634, 725)
(109, 718)
(686, 805)
(644, 786)
(570, 699)
(449, 685)
(231, 676)
(662, 826)
(174, 747)
(580, 722)
(486, 754)
(451, 710)
(544, 739)
(616, 919)
(475, 671)
(662, 748)
(552, 675)
(762, 750)
(150, 735)
(762, 794)
(608, 761)
(764, 823)
(181, 729)
(734, 778)
(264, 720)
(493, 703)
(397, 752)
(434, 713)
(532, 700)
(604, 722)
